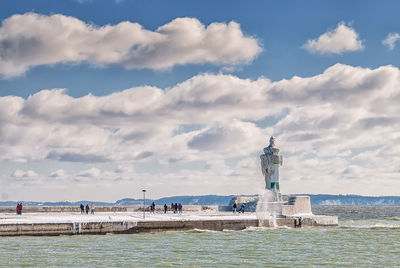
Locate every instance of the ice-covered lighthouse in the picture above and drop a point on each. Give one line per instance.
(270, 162)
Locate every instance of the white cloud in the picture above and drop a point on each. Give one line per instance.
(342, 39)
(58, 173)
(24, 174)
(92, 172)
(391, 39)
(232, 138)
(338, 130)
(32, 39)
(142, 123)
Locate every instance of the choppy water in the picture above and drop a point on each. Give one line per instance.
(366, 237)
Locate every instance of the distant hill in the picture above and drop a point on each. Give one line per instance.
(223, 200)
(354, 200)
(218, 200)
(50, 204)
(131, 202)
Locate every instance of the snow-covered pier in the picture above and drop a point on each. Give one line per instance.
(74, 223)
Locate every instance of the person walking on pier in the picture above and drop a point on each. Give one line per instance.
(152, 208)
(87, 208)
(92, 208)
(82, 208)
(176, 207)
(165, 208)
(19, 208)
(180, 208)
(234, 207)
(242, 208)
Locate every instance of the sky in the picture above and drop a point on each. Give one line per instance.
(101, 99)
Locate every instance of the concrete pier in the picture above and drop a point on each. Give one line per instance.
(72, 223)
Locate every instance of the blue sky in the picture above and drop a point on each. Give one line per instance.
(281, 26)
(139, 107)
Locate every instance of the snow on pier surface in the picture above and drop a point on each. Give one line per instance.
(74, 217)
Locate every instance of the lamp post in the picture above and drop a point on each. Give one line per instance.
(144, 202)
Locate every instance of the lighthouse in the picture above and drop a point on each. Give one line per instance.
(271, 160)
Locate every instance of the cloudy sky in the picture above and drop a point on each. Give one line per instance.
(101, 99)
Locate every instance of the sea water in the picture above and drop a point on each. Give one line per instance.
(368, 236)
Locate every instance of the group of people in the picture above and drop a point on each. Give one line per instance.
(152, 207)
(19, 208)
(235, 208)
(87, 208)
(175, 207)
